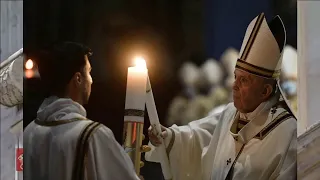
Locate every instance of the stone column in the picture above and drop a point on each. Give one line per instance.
(308, 64)
(308, 90)
(11, 38)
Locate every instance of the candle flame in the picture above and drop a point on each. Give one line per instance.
(140, 63)
(29, 64)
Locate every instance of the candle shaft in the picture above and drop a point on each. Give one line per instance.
(134, 114)
(154, 122)
(135, 95)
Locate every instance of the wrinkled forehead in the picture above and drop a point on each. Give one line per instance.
(250, 76)
(239, 72)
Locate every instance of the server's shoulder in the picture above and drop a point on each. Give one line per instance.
(29, 127)
(101, 131)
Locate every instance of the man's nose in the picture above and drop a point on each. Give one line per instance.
(235, 86)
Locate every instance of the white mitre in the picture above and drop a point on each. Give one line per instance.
(211, 71)
(189, 74)
(11, 80)
(261, 50)
(289, 69)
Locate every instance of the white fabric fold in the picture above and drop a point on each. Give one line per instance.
(205, 149)
(49, 151)
(54, 108)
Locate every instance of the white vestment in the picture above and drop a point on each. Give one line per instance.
(49, 151)
(206, 149)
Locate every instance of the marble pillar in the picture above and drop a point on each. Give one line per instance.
(11, 37)
(308, 64)
(308, 90)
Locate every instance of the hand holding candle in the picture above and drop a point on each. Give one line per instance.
(139, 94)
(154, 122)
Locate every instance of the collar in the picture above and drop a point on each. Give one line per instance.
(265, 106)
(54, 109)
(257, 120)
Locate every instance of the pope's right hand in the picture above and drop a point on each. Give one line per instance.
(156, 141)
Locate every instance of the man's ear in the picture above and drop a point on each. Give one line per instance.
(267, 91)
(77, 78)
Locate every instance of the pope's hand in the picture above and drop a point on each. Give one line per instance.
(156, 141)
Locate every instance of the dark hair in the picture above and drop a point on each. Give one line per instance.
(59, 63)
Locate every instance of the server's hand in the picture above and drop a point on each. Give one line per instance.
(153, 135)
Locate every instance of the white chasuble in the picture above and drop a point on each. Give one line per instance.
(207, 148)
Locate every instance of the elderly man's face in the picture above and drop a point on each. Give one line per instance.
(247, 91)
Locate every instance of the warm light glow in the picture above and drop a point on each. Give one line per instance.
(140, 63)
(29, 73)
(29, 64)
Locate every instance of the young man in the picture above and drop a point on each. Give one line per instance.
(61, 143)
(255, 137)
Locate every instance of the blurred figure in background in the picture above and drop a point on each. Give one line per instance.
(213, 73)
(188, 75)
(228, 60)
(211, 91)
(289, 75)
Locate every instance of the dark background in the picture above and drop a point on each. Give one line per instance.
(166, 32)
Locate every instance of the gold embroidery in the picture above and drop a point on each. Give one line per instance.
(257, 70)
(171, 142)
(276, 119)
(311, 168)
(134, 112)
(230, 173)
(86, 153)
(240, 126)
(76, 163)
(94, 130)
(56, 123)
(82, 146)
(271, 126)
(234, 126)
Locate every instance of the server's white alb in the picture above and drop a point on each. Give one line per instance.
(49, 151)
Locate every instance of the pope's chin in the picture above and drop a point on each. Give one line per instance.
(237, 104)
